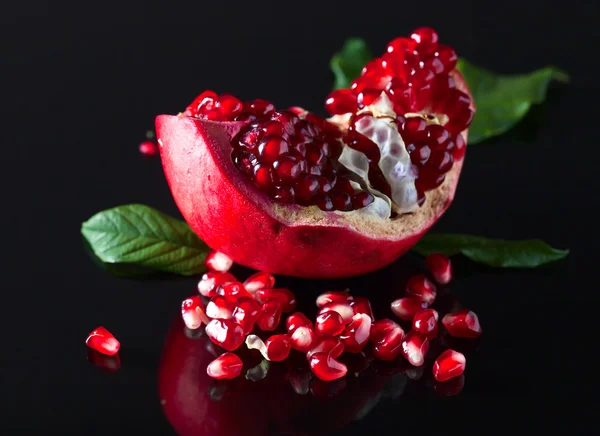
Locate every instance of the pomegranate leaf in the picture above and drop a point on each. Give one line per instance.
(349, 62)
(139, 235)
(528, 253)
(503, 100)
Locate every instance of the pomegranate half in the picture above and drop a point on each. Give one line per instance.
(289, 192)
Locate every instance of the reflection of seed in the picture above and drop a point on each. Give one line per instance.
(259, 372)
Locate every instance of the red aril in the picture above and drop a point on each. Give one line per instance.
(225, 333)
(406, 308)
(270, 315)
(330, 346)
(356, 335)
(246, 313)
(439, 267)
(217, 261)
(193, 312)
(226, 366)
(462, 324)
(362, 305)
(343, 308)
(448, 365)
(285, 298)
(296, 320)
(233, 291)
(421, 288)
(103, 342)
(380, 328)
(326, 368)
(148, 148)
(274, 349)
(425, 322)
(414, 348)
(207, 286)
(333, 296)
(387, 337)
(329, 324)
(258, 281)
(219, 308)
(303, 338)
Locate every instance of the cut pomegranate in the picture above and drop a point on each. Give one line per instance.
(462, 324)
(207, 286)
(330, 346)
(425, 322)
(303, 338)
(296, 320)
(422, 288)
(246, 313)
(414, 348)
(329, 324)
(193, 312)
(343, 308)
(317, 196)
(284, 297)
(440, 267)
(258, 281)
(270, 315)
(333, 296)
(406, 308)
(387, 337)
(326, 368)
(217, 261)
(148, 148)
(103, 342)
(233, 291)
(362, 305)
(448, 365)
(225, 333)
(356, 335)
(227, 365)
(219, 308)
(275, 349)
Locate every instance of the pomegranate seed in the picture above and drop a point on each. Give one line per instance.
(332, 346)
(426, 39)
(421, 288)
(367, 97)
(227, 365)
(284, 297)
(192, 312)
(103, 342)
(303, 338)
(414, 348)
(261, 107)
(380, 328)
(440, 267)
(425, 322)
(401, 45)
(329, 324)
(387, 337)
(306, 188)
(448, 365)
(246, 313)
(229, 106)
(233, 291)
(326, 368)
(220, 308)
(340, 101)
(362, 305)
(148, 148)
(204, 102)
(447, 56)
(462, 324)
(356, 334)
(459, 147)
(216, 261)
(225, 333)
(275, 349)
(258, 281)
(407, 308)
(296, 320)
(415, 128)
(270, 316)
(343, 308)
(362, 199)
(207, 286)
(333, 296)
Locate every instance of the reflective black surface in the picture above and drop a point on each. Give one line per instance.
(82, 84)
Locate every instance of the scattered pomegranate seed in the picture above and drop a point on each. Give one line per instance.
(193, 312)
(422, 288)
(303, 338)
(225, 333)
(220, 308)
(462, 324)
(440, 267)
(330, 346)
(414, 348)
(246, 313)
(103, 342)
(283, 296)
(270, 315)
(207, 286)
(356, 335)
(425, 322)
(227, 365)
(296, 320)
(406, 308)
(216, 261)
(233, 291)
(387, 337)
(343, 308)
(326, 368)
(275, 349)
(333, 296)
(258, 281)
(329, 324)
(448, 365)
(362, 305)
(426, 39)
(148, 148)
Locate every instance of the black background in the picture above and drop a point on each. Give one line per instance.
(82, 82)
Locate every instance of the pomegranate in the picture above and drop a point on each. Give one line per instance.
(289, 192)
(227, 365)
(103, 342)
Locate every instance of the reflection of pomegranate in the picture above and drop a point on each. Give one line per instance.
(289, 192)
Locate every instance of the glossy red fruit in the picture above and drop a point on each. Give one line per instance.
(193, 312)
(448, 365)
(406, 308)
(326, 368)
(330, 346)
(462, 324)
(227, 365)
(343, 308)
(387, 337)
(340, 101)
(225, 333)
(285, 298)
(362, 305)
(422, 288)
(258, 281)
(356, 335)
(207, 286)
(329, 324)
(103, 342)
(270, 315)
(333, 296)
(296, 320)
(274, 349)
(246, 313)
(426, 322)
(148, 148)
(414, 348)
(219, 308)
(439, 267)
(303, 338)
(217, 261)
(233, 291)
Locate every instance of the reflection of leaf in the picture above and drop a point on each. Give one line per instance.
(347, 64)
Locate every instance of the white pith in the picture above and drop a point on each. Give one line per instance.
(253, 342)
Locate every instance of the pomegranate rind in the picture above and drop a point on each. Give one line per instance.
(232, 216)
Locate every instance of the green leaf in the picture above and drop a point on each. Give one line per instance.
(349, 62)
(503, 100)
(142, 236)
(529, 253)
